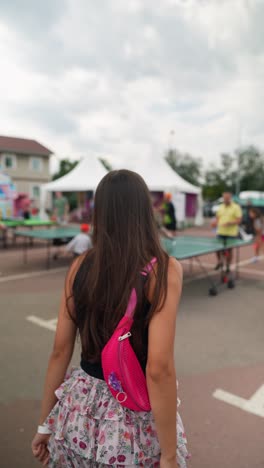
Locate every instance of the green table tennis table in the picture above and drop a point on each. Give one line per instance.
(47, 235)
(191, 247)
(182, 248)
(32, 223)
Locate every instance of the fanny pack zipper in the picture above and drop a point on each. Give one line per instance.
(123, 337)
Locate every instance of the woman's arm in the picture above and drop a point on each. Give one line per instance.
(63, 344)
(59, 359)
(161, 374)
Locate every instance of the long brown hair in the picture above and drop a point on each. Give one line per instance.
(125, 239)
(257, 212)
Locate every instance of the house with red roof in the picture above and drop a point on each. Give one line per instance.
(26, 162)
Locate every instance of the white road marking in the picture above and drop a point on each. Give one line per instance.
(214, 273)
(249, 260)
(255, 404)
(201, 276)
(192, 262)
(49, 324)
(247, 271)
(32, 274)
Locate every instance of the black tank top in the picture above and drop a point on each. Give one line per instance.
(95, 369)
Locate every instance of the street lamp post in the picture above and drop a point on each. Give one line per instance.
(239, 140)
(171, 140)
(238, 174)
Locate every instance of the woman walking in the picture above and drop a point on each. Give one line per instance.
(119, 408)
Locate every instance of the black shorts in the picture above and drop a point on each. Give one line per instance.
(171, 226)
(225, 239)
(26, 215)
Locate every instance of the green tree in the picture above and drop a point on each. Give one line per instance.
(219, 179)
(226, 177)
(251, 168)
(187, 166)
(214, 184)
(106, 164)
(66, 165)
(228, 171)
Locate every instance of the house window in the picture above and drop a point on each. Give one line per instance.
(36, 164)
(9, 161)
(35, 191)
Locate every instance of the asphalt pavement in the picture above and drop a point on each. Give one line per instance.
(219, 356)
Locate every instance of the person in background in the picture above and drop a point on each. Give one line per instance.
(81, 423)
(248, 221)
(169, 216)
(228, 219)
(3, 232)
(80, 243)
(61, 208)
(158, 216)
(2, 226)
(26, 207)
(258, 225)
(34, 209)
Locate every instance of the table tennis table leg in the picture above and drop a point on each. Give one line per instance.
(31, 240)
(25, 250)
(48, 255)
(237, 262)
(4, 238)
(213, 286)
(13, 236)
(191, 266)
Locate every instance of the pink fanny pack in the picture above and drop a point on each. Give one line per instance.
(122, 370)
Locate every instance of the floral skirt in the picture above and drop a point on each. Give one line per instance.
(91, 429)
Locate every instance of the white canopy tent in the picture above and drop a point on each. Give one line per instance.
(160, 177)
(247, 195)
(84, 177)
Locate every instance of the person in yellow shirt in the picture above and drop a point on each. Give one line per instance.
(229, 217)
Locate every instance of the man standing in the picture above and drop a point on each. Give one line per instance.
(61, 208)
(169, 218)
(229, 216)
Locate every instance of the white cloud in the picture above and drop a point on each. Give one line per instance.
(115, 77)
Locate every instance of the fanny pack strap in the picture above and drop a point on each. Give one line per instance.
(149, 267)
(133, 296)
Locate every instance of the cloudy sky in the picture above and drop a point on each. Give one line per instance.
(115, 77)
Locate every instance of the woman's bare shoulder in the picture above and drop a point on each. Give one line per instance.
(73, 270)
(175, 272)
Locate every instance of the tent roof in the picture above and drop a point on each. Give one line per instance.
(159, 176)
(85, 176)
